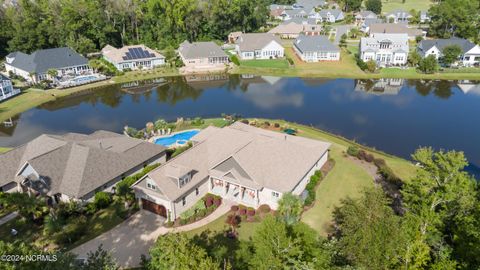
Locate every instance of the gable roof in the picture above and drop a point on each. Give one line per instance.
(427, 44)
(288, 28)
(77, 164)
(315, 43)
(334, 12)
(200, 50)
(255, 41)
(251, 156)
(365, 14)
(399, 41)
(42, 60)
(394, 28)
(4, 78)
(310, 4)
(128, 53)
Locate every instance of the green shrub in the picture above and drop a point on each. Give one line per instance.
(310, 187)
(102, 200)
(71, 232)
(379, 162)
(390, 176)
(353, 151)
(361, 64)
(235, 60)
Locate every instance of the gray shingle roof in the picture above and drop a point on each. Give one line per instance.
(255, 41)
(42, 60)
(335, 12)
(76, 164)
(315, 44)
(427, 44)
(245, 154)
(200, 50)
(399, 42)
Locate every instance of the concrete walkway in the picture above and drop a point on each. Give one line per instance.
(136, 235)
(8, 217)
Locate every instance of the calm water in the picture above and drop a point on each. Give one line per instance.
(396, 116)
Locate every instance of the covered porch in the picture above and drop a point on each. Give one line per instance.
(234, 192)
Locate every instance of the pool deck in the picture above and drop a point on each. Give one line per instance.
(154, 138)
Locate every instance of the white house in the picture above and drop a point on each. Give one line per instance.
(240, 163)
(34, 67)
(75, 166)
(316, 48)
(385, 49)
(470, 52)
(258, 46)
(398, 16)
(6, 88)
(133, 57)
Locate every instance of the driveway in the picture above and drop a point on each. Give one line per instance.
(136, 235)
(340, 30)
(127, 241)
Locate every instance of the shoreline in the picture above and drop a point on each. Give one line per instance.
(31, 97)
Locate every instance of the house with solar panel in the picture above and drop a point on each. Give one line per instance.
(133, 57)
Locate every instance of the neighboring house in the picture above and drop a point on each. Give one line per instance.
(331, 15)
(75, 166)
(133, 57)
(34, 67)
(6, 88)
(385, 49)
(289, 14)
(316, 48)
(241, 163)
(392, 28)
(293, 28)
(277, 13)
(202, 55)
(363, 15)
(309, 4)
(398, 16)
(470, 52)
(365, 25)
(258, 46)
(424, 17)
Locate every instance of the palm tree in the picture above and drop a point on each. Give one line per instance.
(290, 208)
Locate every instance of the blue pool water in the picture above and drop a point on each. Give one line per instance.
(181, 136)
(85, 79)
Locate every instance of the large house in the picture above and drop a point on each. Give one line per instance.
(363, 15)
(316, 48)
(385, 49)
(6, 88)
(75, 166)
(34, 67)
(202, 55)
(293, 28)
(392, 28)
(258, 46)
(240, 163)
(330, 15)
(133, 57)
(470, 52)
(398, 16)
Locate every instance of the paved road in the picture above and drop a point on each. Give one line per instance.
(340, 30)
(134, 237)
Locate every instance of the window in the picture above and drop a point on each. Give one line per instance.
(197, 191)
(184, 201)
(151, 184)
(275, 194)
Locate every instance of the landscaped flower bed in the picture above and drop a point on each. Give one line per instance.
(198, 211)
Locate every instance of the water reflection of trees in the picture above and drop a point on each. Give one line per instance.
(440, 88)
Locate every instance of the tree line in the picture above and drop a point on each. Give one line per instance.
(88, 25)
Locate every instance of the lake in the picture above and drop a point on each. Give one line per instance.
(393, 115)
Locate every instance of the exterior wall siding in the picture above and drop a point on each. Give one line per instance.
(190, 198)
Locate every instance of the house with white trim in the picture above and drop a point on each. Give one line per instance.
(385, 49)
(470, 51)
(34, 67)
(202, 55)
(133, 57)
(240, 163)
(331, 15)
(6, 88)
(75, 166)
(258, 46)
(398, 16)
(316, 49)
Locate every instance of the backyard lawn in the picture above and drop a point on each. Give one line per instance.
(391, 5)
(4, 149)
(271, 63)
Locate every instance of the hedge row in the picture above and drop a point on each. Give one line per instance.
(314, 179)
(130, 180)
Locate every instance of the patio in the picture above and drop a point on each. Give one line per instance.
(234, 192)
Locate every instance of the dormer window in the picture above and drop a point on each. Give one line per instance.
(151, 185)
(184, 180)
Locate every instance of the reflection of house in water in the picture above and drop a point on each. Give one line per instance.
(7, 127)
(251, 78)
(380, 86)
(469, 87)
(142, 86)
(202, 81)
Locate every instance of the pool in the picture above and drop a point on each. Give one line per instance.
(181, 137)
(81, 79)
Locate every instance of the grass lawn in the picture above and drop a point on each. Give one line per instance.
(270, 63)
(391, 5)
(4, 149)
(25, 101)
